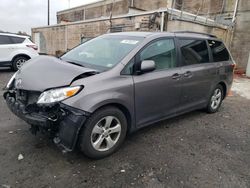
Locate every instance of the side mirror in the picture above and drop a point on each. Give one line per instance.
(147, 66)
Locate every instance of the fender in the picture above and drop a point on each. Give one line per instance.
(92, 102)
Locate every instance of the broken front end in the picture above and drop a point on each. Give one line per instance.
(62, 121)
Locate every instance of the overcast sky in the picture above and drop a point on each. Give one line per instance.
(22, 15)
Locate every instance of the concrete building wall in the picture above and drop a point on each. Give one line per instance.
(240, 45)
(103, 9)
(93, 10)
(71, 16)
(223, 34)
(240, 42)
(120, 7)
(150, 4)
(58, 39)
(203, 7)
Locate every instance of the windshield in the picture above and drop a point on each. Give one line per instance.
(102, 53)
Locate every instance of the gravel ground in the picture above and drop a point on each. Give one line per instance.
(193, 150)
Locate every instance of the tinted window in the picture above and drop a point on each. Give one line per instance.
(194, 51)
(5, 39)
(219, 51)
(17, 40)
(162, 52)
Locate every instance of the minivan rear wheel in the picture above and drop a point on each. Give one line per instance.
(103, 133)
(18, 62)
(215, 99)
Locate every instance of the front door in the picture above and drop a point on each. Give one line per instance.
(157, 93)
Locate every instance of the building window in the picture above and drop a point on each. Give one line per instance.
(117, 28)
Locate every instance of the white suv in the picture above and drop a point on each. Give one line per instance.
(15, 50)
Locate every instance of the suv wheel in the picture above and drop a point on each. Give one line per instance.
(215, 99)
(18, 62)
(103, 133)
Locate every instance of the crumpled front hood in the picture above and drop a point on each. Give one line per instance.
(45, 72)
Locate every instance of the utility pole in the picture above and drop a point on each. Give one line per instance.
(48, 12)
(69, 3)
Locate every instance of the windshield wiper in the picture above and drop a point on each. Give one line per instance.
(74, 63)
(71, 62)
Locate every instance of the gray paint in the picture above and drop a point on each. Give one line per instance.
(148, 97)
(45, 72)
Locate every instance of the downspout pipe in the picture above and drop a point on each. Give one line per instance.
(162, 20)
(235, 11)
(66, 38)
(132, 3)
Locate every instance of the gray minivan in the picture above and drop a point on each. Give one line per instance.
(115, 84)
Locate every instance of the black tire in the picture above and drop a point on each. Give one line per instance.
(86, 137)
(15, 66)
(210, 109)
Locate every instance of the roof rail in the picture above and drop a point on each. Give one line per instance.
(196, 33)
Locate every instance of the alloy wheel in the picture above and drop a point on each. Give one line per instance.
(106, 133)
(216, 99)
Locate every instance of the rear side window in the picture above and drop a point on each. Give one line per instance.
(193, 51)
(17, 40)
(162, 52)
(5, 39)
(219, 51)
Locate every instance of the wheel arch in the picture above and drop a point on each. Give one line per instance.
(224, 86)
(20, 55)
(123, 108)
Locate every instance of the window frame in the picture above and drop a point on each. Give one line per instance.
(137, 61)
(210, 57)
(124, 70)
(13, 41)
(10, 40)
(114, 36)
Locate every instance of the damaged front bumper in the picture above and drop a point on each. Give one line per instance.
(64, 122)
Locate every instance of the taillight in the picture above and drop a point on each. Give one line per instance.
(32, 46)
(233, 65)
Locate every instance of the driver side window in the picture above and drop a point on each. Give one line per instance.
(162, 52)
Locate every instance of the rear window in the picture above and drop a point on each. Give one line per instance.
(193, 51)
(5, 39)
(17, 40)
(219, 51)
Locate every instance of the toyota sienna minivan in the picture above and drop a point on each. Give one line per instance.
(115, 84)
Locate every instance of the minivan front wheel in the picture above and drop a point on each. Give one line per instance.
(215, 99)
(103, 133)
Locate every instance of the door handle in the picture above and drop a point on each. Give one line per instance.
(188, 74)
(176, 76)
